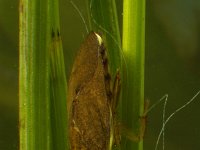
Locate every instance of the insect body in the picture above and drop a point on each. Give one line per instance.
(90, 98)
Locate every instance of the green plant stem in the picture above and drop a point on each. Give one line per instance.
(58, 87)
(58, 95)
(133, 47)
(34, 107)
(38, 21)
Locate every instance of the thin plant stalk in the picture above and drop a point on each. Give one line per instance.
(133, 44)
(37, 24)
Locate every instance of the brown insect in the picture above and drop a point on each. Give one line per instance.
(91, 102)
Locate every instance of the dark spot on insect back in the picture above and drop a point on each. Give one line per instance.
(107, 77)
(109, 94)
(105, 62)
(102, 50)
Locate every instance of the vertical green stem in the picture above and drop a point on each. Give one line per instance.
(34, 112)
(58, 94)
(57, 84)
(133, 48)
(40, 69)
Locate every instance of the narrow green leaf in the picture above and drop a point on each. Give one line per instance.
(34, 108)
(42, 85)
(58, 94)
(58, 87)
(133, 48)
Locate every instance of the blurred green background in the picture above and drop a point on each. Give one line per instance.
(172, 67)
